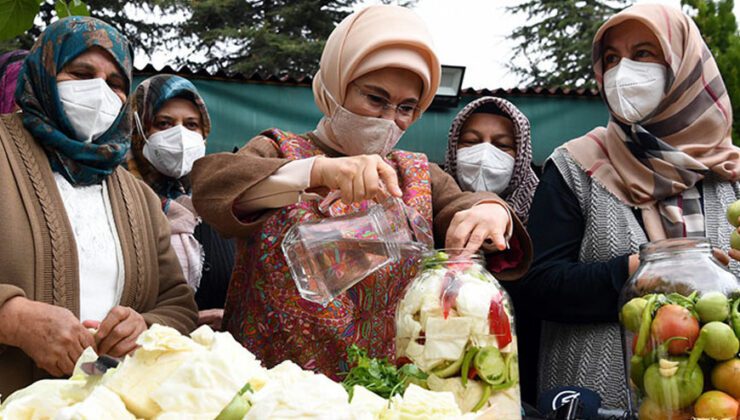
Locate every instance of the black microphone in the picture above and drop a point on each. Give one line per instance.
(570, 403)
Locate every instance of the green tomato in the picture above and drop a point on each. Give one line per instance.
(712, 306)
(735, 240)
(512, 363)
(631, 314)
(721, 343)
(675, 392)
(490, 365)
(733, 213)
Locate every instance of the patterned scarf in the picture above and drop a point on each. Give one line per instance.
(79, 162)
(524, 181)
(10, 65)
(149, 98)
(655, 164)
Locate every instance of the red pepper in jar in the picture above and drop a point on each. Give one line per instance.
(499, 322)
(450, 290)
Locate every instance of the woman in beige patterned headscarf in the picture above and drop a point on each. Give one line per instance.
(674, 146)
(378, 74)
(663, 167)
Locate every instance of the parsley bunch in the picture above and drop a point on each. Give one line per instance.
(379, 375)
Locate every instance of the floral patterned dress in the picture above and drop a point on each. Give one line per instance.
(267, 315)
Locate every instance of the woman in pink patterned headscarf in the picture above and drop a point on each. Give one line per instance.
(378, 74)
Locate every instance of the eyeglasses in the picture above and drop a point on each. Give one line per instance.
(377, 103)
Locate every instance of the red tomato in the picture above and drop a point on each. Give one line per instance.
(716, 404)
(402, 361)
(675, 321)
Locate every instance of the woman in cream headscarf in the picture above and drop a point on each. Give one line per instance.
(664, 167)
(378, 73)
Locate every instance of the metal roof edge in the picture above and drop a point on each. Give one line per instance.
(306, 80)
(533, 91)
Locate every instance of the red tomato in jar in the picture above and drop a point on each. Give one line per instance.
(716, 405)
(675, 321)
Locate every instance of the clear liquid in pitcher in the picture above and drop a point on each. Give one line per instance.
(332, 267)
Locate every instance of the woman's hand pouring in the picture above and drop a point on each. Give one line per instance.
(358, 178)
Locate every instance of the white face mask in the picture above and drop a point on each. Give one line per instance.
(359, 135)
(90, 105)
(484, 167)
(173, 151)
(634, 89)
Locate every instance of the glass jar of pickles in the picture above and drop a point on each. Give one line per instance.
(456, 323)
(679, 314)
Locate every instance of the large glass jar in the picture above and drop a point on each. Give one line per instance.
(456, 323)
(679, 314)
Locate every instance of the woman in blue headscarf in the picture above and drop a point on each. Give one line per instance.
(86, 245)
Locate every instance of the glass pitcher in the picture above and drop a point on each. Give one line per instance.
(328, 256)
(680, 323)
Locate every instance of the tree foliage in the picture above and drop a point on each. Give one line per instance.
(555, 44)
(133, 18)
(43, 12)
(718, 26)
(283, 37)
(148, 24)
(269, 36)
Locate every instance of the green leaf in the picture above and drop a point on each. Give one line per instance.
(17, 17)
(62, 9)
(73, 8)
(78, 8)
(378, 375)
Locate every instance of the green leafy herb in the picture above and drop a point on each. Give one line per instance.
(379, 375)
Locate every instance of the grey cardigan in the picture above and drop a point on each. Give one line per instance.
(590, 355)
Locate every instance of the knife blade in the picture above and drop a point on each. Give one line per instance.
(100, 365)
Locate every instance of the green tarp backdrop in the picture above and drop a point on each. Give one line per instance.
(239, 110)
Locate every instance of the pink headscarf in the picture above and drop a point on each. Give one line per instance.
(374, 38)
